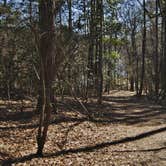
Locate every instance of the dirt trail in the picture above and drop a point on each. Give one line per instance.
(125, 130)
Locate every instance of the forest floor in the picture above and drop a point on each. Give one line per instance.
(124, 130)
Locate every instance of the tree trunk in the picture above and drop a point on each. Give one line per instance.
(163, 48)
(4, 3)
(164, 52)
(143, 50)
(90, 72)
(70, 31)
(99, 49)
(156, 53)
(70, 14)
(46, 19)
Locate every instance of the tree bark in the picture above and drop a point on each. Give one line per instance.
(90, 72)
(143, 49)
(47, 12)
(99, 49)
(156, 53)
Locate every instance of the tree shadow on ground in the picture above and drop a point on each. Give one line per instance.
(125, 99)
(9, 115)
(128, 110)
(142, 150)
(92, 148)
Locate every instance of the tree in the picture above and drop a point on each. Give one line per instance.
(162, 5)
(99, 50)
(47, 12)
(157, 81)
(143, 49)
(95, 77)
(90, 66)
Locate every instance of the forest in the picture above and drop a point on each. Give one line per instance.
(83, 82)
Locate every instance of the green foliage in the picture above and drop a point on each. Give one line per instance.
(113, 3)
(114, 55)
(113, 41)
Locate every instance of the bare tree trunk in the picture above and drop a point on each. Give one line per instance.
(4, 2)
(70, 30)
(143, 50)
(137, 75)
(70, 14)
(46, 16)
(164, 51)
(134, 76)
(156, 53)
(99, 49)
(163, 47)
(90, 72)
